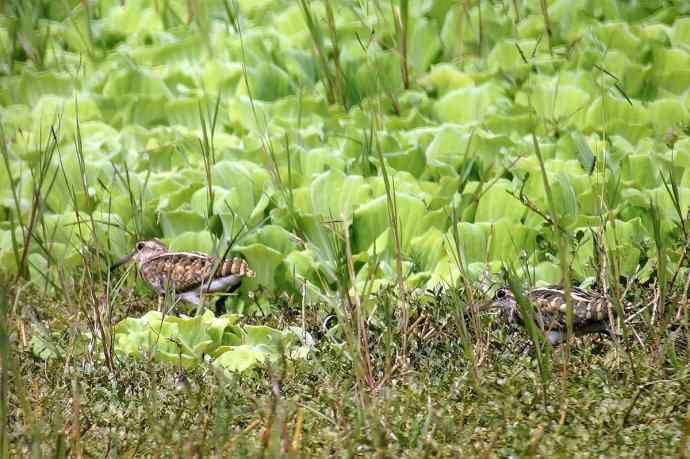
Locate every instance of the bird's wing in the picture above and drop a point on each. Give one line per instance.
(235, 266)
(587, 307)
(184, 271)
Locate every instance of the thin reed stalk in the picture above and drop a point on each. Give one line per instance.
(338, 89)
(394, 225)
(547, 25)
(565, 275)
(362, 329)
(480, 28)
(231, 9)
(4, 372)
(469, 349)
(532, 323)
(401, 21)
(317, 41)
(97, 310)
(208, 152)
(462, 311)
(42, 183)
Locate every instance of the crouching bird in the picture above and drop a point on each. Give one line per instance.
(187, 275)
(590, 311)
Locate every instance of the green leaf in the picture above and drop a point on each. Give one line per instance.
(217, 327)
(619, 36)
(623, 242)
(564, 198)
(301, 266)
(274, 237)
(177, 222)
(192, 336)
(496, 204)
(268, 82)
(616, 116)
(668, 113)
(184, 340)
(428, 249)
(584, 153)
(240, 358)
(468, 105)
(264, 261)
(680, 35)
(334, 194)
(129, 81)
(499, 241)
(260, 334)
(449, 145)
(425, 44)
(642, 170)
(371, 220)
(445, 78)
(43, 348)
(555, 99)
(31, 86)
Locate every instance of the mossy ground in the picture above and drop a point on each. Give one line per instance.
(619, 400)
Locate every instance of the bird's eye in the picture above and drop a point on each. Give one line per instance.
(501, 293)
(140, 246)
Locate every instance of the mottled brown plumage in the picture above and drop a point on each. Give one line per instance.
(185, 271)
(590, 310)
(186, 274)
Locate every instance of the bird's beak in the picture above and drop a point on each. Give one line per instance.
(122, 261)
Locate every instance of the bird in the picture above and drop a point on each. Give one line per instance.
(590, 310)
(187, 275)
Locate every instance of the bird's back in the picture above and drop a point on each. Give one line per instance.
(184, 271)
(589, 308)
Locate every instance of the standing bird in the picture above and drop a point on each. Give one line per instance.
(186, 274)
(590, 310)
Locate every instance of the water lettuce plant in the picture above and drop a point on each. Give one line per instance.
(154, 104)
(187, 341)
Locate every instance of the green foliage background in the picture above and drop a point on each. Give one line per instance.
(606, 94)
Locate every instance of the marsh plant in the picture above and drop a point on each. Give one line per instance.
(385, 169)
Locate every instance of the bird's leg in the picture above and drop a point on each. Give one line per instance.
(220, 305)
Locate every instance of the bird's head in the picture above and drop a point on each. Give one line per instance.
(143, 251)
(505, 300)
